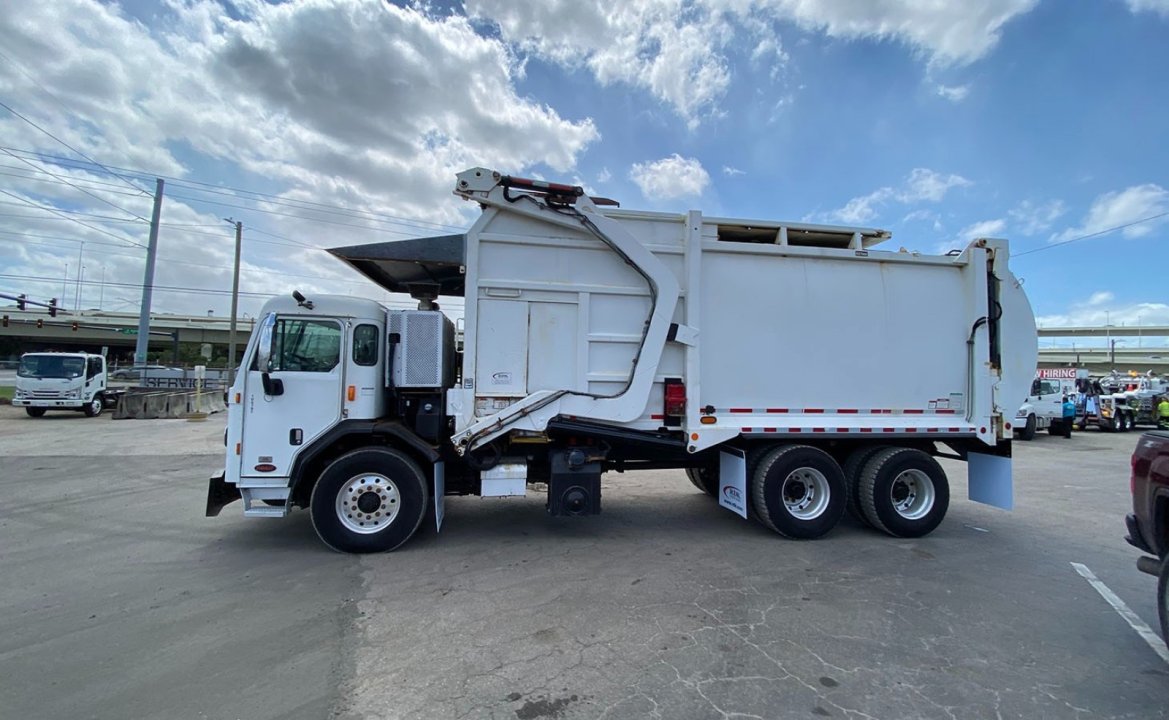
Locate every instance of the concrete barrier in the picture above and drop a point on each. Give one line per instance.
(144, 404)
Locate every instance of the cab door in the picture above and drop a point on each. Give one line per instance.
(293, 391)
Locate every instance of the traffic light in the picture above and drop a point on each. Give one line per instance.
(53, 308)
(40, 323)
(20, 301)
(74, 326)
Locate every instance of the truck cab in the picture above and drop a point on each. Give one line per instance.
(61, 381)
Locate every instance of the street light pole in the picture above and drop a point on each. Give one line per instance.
(239, 230)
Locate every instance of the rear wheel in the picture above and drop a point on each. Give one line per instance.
(369, 501)
(798, 491)
(904, 492)
(35, 412)
(94, 407)
(1028, 430)
(705, 479)
(852, 468)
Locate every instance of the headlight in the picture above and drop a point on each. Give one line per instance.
(19, 393)
(74, 394)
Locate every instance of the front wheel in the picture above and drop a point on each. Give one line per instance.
(904, 492)
(798, 491)
(94, 407)
(1028, 431)
(35, 412)
(1163, 598)
(369, 501)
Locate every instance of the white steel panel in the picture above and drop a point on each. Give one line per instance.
(552, 340)
(502, 361)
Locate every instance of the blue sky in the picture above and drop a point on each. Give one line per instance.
(1035, 120)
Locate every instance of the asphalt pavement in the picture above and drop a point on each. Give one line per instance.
(122, 601)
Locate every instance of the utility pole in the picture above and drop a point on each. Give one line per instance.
(77, 294)
(148, 282)
(239, 231)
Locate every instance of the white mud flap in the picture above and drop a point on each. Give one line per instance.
(732, 481)
(439, 494)
(989, 480)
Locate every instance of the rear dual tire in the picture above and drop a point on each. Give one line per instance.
(903, 492)
(798, 491)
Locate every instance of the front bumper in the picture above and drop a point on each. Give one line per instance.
(69, 404)
(1134, 537)
(219, 494)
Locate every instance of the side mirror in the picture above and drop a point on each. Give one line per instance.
(264, 346)
(272, 386)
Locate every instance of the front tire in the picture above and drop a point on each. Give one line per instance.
(904, 492)
(369, 501)
(1163, 598)
(1028, 431)
(35, 411)
(94, 407)
(798, 491)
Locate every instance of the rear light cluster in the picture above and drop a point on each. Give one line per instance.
(675, 394)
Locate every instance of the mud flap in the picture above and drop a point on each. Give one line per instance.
(989, 480)
(439, 494)
(732, 481)
(220, 493)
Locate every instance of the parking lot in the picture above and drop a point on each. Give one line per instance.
(122, 601)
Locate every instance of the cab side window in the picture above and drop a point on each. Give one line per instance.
(304, 345)
(94, 368)
(365, 345)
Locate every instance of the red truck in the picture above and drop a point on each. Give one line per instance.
(1148, 525)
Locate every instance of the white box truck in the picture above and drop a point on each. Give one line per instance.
(792, 370)
(61, 381)
(1043, 408)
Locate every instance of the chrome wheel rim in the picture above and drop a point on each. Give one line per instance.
(912, 494)
(95, 406)
(368, 503)
(805, 493)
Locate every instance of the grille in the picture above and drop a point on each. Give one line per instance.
(46, 394)
(423, 350)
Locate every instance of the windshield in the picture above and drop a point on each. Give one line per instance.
(51, 366)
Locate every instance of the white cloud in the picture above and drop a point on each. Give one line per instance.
(670, 178)
(1157, 6)
(604, 176)
(1122, 209)
(732, 171)
(364, 105)
(948, 33)
(1101, 297)
(984, 229)
(922, 185)
(1099, 311)
(676, 49)
(954, 93)
(1034, 218)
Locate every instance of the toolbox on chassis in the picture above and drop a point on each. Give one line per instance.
(792, 370)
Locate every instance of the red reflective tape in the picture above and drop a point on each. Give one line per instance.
(910, 430)
(866, 430)
(955, 429)
(657, 417)
(912, 411)
(813, 411)
(778, 410)
(769, 430)
(888, 430)
(747, 430)
(932, 429)
(740, 410)
(848, 411)
(818, 430)
(947, 412)
(880, 411)
(795, 430)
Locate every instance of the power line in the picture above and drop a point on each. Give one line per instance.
(1092, 235)
(66, 217)
(89, 181)
(75, 187)
(221, 190)
(57, 100)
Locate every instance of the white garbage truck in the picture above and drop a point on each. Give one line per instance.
(61, 381)
(791, 370)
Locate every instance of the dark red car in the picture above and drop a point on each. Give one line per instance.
(1148, 525)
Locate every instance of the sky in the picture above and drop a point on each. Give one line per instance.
(321, 123)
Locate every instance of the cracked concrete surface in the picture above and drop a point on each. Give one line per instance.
(666, 606)
(121, 600)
